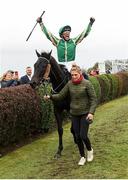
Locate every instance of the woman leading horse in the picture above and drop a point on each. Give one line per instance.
(82, 107)
(46, 66)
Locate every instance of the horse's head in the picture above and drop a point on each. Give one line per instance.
(41, 69)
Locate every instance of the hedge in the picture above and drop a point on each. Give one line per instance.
(105, 87)
(24, 112)
(47, 119)
(123, 83)
(113, 93)
(20, 115)
(96, 86)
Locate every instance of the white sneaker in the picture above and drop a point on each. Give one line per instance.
(82, 161)
(90, 155)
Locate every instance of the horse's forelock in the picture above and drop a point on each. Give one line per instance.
(45, 54)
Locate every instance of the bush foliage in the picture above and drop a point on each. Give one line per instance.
(105, 87)
(47, 119)
(24, 112)
(20, 113)
(96, 86)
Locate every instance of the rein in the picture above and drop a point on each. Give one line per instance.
(54, 90)
(47, 82)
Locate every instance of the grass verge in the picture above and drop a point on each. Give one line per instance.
(109, 137)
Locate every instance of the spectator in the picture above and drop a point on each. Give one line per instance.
(97, 71)
(26, 78)
(94, 72)
(108, 71)
(9, 79)
(15, 74)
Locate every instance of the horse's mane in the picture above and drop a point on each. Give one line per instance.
(65, 71)
(63, 67)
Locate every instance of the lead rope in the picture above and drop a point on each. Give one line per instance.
(54, 90)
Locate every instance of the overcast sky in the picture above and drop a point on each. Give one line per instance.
(107, 40)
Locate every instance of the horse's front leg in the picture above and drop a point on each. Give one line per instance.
(60, 132)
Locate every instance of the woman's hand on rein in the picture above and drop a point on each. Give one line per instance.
(90, 116)
(46, 97)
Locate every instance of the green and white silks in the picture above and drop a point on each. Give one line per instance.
(66, 50)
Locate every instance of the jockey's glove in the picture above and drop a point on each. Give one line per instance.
(39, 20)
(92, 20)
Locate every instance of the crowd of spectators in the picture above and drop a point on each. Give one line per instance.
(11, 78)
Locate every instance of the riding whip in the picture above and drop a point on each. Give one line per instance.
(34, 27)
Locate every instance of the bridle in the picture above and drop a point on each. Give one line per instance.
(46, 80)
(47, 71)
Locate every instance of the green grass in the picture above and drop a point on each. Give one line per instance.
(109, 137)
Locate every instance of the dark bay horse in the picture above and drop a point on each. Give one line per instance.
(59, 76)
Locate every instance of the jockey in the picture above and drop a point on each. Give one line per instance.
(66, 46)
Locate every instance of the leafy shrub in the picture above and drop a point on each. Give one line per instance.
(20, 113)
(96, 86)
(105, 87)
(24, 112)
(47, 120)
(114, 82)
(123, 84)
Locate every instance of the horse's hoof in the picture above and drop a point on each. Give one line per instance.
(57, 156)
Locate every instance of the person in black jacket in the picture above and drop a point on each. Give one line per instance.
(26, 78)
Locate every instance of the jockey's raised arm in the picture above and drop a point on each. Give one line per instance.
(48, 34)
(85, 32)
(66, 46)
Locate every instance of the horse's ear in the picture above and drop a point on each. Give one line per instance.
(37, 53)
(49, 55)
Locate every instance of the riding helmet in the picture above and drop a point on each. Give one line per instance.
(63, 29)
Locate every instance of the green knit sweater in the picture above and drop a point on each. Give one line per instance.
(83, 97)
(66, 50)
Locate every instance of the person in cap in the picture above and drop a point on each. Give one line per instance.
(66, 46)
